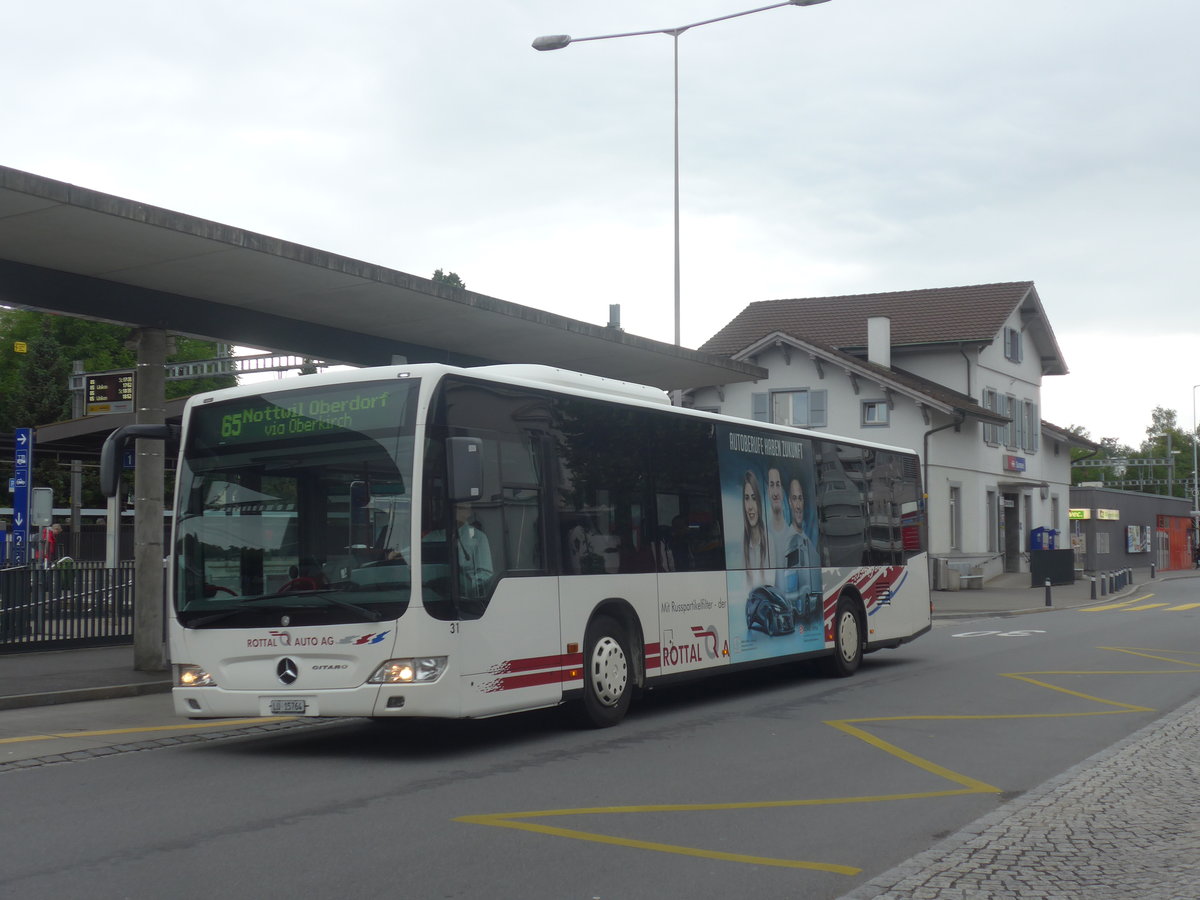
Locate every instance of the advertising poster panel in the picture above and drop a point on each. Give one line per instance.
(770, 525)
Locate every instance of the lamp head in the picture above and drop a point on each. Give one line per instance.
(558, 41)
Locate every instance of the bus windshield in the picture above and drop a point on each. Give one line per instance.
(295, 505)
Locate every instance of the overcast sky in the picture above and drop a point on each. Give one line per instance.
(853, 146)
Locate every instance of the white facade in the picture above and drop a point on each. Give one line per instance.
(988, 486)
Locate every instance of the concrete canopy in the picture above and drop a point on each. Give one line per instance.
(71, 250)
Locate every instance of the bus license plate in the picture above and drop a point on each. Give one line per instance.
(287, 706)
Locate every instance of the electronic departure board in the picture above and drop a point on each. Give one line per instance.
(108, 392)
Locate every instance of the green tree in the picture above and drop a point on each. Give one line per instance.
(42, 392)
(1165, 440)
(450, 278)
(35, 385)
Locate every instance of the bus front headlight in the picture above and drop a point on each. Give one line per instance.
(187, 675)
(417, 670)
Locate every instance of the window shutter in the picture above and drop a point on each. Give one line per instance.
(758, 407)
(989, 430)
(1012, 344)
(1034, 430)
(818, 403)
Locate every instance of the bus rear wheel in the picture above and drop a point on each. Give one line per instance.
(606, 685)
(847, 641)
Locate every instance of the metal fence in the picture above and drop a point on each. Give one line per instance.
(69, 605)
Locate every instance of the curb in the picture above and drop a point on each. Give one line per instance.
(1022, 611)
(79, 695)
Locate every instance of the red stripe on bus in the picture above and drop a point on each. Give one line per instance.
(537, 662)
(535, 679)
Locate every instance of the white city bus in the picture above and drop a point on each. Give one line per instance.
(432, 541)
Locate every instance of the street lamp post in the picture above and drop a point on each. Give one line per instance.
(558, 41)
(1195, 479)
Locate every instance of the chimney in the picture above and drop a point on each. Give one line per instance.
(879, 341)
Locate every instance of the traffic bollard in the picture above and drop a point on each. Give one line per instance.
(1103, 585)
(1048, 592)
(1151, 570)
(1093, 587)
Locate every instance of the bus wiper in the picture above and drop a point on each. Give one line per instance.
(324, 594)
(218, 616)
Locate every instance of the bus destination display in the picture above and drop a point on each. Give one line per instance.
(300, 414)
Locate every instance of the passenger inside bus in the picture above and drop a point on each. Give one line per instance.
(474, 552)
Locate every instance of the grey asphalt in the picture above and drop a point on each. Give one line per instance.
(1120, 824)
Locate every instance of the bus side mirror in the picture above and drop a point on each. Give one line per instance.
(466, 468)
(114, 445)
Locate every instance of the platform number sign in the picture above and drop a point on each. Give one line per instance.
(22, 475)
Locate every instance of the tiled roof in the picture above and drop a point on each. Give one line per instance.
(1069, 437)
(930, 316)
(940, 395)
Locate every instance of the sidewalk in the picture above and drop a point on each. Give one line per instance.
(69, 676)
(1012, 594)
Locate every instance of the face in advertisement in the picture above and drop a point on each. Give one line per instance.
(796, 503)
(775, 492)
(751, 502)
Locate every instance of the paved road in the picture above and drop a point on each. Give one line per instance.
(1121, 824)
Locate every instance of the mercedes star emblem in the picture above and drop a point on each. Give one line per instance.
(287, 670)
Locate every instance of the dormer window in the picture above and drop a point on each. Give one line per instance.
(1012, 344)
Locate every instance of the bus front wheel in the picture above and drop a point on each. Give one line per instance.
(847, 641)
(606, 687)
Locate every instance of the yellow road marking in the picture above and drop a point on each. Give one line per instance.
(1184, 606)
(1143, 606)
(145, 729)
(967, 784)
(507, 821)
(1120, 605)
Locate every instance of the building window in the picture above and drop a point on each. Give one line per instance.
(1009, 431)
(1012, 344)
(1010, 434)
(874, 412)
(798, 408)
(990, 431)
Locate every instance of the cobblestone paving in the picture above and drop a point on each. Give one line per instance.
(1123, 824)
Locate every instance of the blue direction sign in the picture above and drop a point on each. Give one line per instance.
(22, 474)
